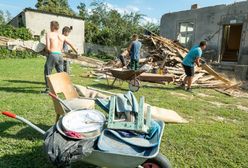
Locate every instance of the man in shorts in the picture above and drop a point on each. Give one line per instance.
(192, 58)
(54, 47)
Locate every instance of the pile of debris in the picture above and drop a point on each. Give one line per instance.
(164, 57)
(167, 55)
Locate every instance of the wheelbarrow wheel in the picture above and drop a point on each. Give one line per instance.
(134, 85)
(160, 161)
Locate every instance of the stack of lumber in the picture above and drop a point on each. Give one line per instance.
(156, 78)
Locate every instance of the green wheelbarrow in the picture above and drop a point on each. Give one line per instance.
(100, 158)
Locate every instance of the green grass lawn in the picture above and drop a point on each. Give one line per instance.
(217, 135)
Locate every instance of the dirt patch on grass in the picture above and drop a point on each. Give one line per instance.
(223, 119)
(182, 96)
(218, 104)
(204, 95)
(243, 108)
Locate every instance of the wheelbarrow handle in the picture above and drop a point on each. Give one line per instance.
(12, 115)
(9, 114)
(61, 101)
(52, 95)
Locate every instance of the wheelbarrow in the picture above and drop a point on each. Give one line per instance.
(130, 76)
(115, 160)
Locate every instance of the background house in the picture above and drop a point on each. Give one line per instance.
(38, 22)
(226, 28)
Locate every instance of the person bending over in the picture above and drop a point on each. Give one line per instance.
(192, 58)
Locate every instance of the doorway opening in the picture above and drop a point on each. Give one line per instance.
(231, 42)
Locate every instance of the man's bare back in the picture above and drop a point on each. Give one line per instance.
(55, 42)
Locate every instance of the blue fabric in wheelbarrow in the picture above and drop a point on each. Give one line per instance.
(132, 144)
(124, 103)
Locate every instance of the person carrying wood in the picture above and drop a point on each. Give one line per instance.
(192, 58)
(54, 47)
(135, 52)
(66, 31)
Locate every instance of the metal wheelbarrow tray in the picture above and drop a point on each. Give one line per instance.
(120, 160)
(130, 76)
(116, 160)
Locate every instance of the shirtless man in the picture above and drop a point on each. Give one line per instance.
(54, 47)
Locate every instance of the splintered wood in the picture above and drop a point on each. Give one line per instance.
(168, 55)
(165, 57)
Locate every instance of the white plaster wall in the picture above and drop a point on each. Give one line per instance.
(37, 22)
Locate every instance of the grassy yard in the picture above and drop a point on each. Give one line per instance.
(217, 135)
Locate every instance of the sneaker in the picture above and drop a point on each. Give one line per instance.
(189, 90)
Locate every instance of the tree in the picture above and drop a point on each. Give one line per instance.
(8, 16)
(2, 19)
(55, 6)
(107, 26)
(151, 28)
(82, 11)
(5, 17)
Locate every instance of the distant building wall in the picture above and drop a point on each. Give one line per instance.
(209, 22)
(38, 22)
(193, 26)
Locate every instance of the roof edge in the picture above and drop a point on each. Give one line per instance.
(51, 13)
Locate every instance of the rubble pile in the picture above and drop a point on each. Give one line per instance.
(164, 57)
(164, 51)
(167, 55)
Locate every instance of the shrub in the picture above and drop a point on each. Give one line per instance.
(16, 33)
(5, 53)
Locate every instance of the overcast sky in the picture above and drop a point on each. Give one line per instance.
(153, 9)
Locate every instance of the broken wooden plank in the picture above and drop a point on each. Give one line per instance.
(215, 74)
(232, 86)
(223, 92)
(157, 78)
(196, 77)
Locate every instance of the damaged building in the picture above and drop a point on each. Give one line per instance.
(225, 27)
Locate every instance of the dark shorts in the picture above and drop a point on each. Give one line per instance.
(189, 71)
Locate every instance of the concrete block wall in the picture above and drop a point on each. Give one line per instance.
(209, 21)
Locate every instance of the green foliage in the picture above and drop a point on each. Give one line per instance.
(2, 19)
(103, 25)
(12, 32)
(6, 53)
(107, 26)
(151, 27)
(5, 17)
(55, 6)
(82, 11)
